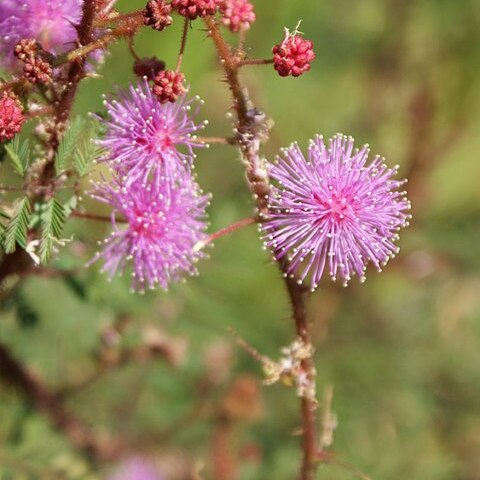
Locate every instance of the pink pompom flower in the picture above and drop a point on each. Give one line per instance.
(156, 226)
(143, 135)
(333, 210)
(51, 23)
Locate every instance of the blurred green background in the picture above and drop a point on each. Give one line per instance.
(401, 351)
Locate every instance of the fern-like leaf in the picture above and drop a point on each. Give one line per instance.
(19, 155)
(88, 152)
(52, 222)
(68, 143)
(16, 229)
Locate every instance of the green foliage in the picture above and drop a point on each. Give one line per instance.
(68, 144)
(78, 146)
(3, 216)
(88, 151)
(52, 220)
(26, 315)
(16, 229)
(19, 155)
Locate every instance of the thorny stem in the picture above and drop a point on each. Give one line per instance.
(131, 48)
(93, 216)
(75, 74)
(218, 140)
(186, 26)
(249, 130)
(226, 231)
(39, 113)
(84, 50)
(251, 123)
(256, 61)
(297, 295)
(96, 43)
(118, 17)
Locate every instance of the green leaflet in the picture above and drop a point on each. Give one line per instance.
(52, 221)
(68, 143)
(88, 151)
(19, 155)
(16, 229)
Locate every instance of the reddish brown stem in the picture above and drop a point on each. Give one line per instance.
(118, 17)
(250, 127)
(186, 25)
(98, 218)
(75, 73)
(218, 140)
(251, 124)
(256, 61)
(223, 460)
(230, 229)
(297, 295)
(48, 110)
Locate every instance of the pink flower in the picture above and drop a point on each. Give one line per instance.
(51, 23)
(237, 14)
(136, 468)
(11, 116)
(164, 219)
(333, 210)
(144, 136)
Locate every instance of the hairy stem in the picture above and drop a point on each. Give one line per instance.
(251, 124)
(217, 140)
(256, 61)
(118, 17)
(186, 26)
(250, 127)
(297, 295)
(94, 216)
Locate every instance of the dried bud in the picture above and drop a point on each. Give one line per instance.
(237, 14)
(293, 55)
(157, 14)
(11, 116)
(168, 86)
(25, 48)
(148, 67)
(196, 8)
(37, 70)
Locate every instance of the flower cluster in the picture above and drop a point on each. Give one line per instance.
(333, 210)
(168, 86)
(237, 15)
(195, 8)
(150, 152)
(293, 55)
(11, 116)
(157, 14)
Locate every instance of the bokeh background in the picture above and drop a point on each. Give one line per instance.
(402, 351)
